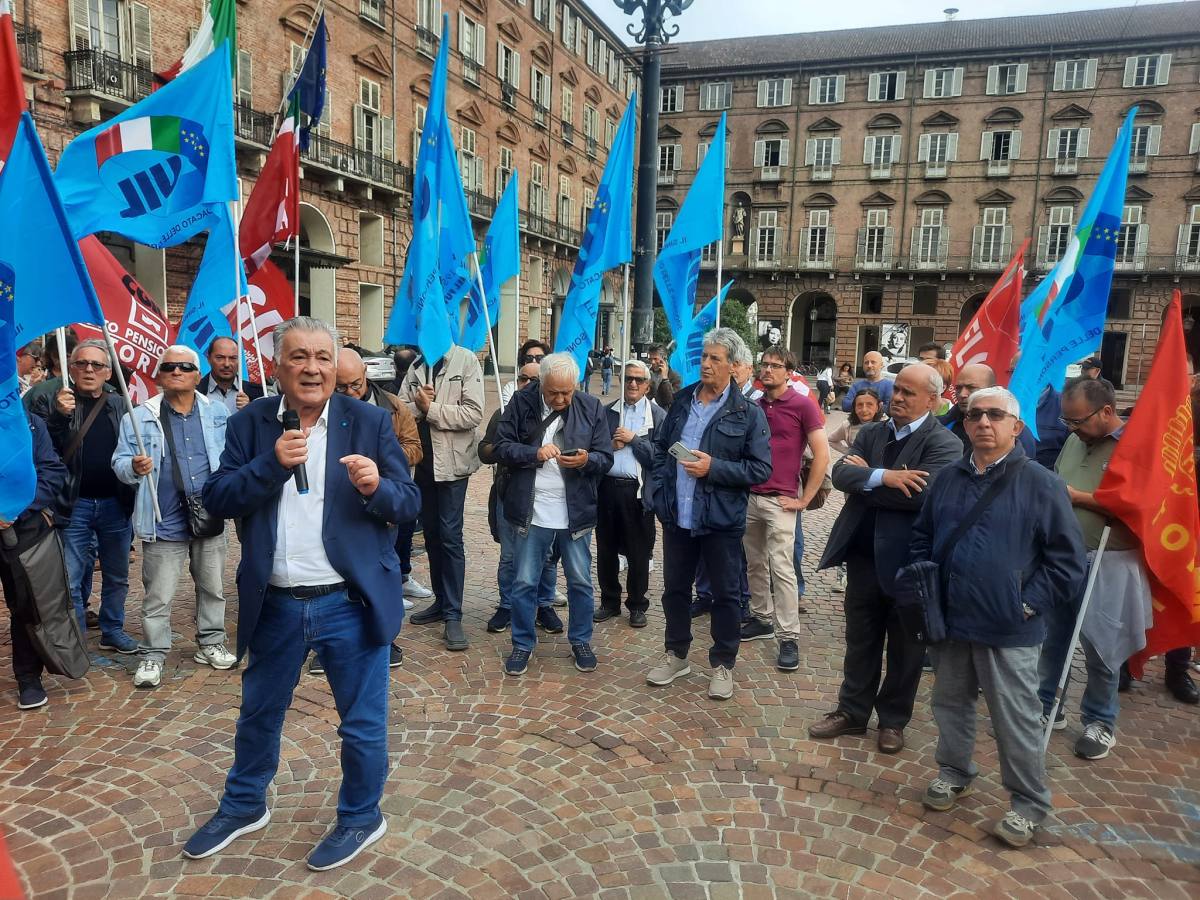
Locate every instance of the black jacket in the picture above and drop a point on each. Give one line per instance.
(930, 448)
(643, 447)
(519, 437)
(739, 443)
(63, 428)
(51, 476)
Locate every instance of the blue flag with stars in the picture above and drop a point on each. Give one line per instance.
(689, 342)
(18, 478)
(1062, 319)
(607, 243)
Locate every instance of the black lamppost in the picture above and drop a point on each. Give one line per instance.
(653, 33)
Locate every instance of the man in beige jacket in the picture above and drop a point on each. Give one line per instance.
(447, 402)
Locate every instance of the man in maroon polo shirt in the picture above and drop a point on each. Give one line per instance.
(772, 515)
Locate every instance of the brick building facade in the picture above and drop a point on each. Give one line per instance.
(884, 176)
(536, 86)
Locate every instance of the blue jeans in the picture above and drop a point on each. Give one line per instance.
(1099, 702)
(357, 669)
(105, 524)
(606, 380)
(798, 554)
(530, 555)
(506, 570)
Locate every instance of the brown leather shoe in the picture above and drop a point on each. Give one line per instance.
(891, 740)
(835, 724)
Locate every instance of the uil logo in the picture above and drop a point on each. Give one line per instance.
(155, 164)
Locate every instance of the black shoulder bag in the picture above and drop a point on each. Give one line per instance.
(201, 523)
(918, 589)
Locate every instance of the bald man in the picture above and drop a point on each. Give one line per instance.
(872, 366)
(970, 379)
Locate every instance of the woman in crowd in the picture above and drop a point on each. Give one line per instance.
(867, 408)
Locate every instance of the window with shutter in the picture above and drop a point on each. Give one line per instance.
(140, 36)
(244, 79)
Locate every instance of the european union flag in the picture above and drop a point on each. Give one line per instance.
(689, 342)
(501, 261)
(156, 172)
(607, 243)
(1062, 319)
(206, 315)
(52, 284)
(698, 224)
(309, 89)
(18, 478)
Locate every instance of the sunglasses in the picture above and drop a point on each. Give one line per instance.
(88, 364)
(635, 379)
(525, 379)
(994, 415)
(532, 358)
(178, 367)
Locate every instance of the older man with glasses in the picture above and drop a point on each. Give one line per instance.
(625, 522)
(84, 423)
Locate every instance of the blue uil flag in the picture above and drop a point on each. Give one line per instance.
(155, 172)
(18, 479)
(689, 342)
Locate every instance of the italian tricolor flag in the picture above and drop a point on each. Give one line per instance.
(219, 24)
(272, 213)
(144, 133)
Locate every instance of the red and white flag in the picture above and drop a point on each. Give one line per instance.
(994, 334)
(273, 301)
(12, 84)
(272, 213)
(139, 330)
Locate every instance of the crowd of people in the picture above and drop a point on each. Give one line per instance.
(326, 478)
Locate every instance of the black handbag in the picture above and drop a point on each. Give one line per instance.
(918, 587)
(201, 523)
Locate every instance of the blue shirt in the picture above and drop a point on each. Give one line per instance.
(699, 417)
(192, 458)
(883, 387)
(898, 434)
(624, 464)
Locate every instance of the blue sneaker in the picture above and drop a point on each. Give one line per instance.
(343, 844)
(221, 830)
(119, 641)
(585, 659)
(517, 662)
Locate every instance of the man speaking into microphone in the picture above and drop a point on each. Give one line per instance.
(319, 571)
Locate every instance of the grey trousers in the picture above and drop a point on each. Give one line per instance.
(162, 565)
(1009, 679)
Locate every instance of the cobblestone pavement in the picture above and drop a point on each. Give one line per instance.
(561, 784)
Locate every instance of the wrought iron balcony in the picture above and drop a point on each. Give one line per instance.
(360, 164)
(479, 204)
(29, 45)
(252, 125)
(105, 74)
(548, 228)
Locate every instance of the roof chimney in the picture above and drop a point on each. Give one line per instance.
(951, 13)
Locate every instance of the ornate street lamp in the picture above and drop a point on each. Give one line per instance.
(653, 33)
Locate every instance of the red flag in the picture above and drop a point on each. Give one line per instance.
(273, 301)
(139, 330)
(1150, 485)
(12, 84)
(272, 213)
(993, 336)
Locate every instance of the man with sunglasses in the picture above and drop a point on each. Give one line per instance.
(532, 352)
(625, 516)
(1119, 612)
(1009, 554)
(84, 422)
(179, 462)
(968, 380)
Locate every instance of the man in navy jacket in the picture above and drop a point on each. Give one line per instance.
(1021, 558)
(319, 571)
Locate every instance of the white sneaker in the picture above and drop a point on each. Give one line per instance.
(216, 655)
(622, 562)
(720, 686)
(148, 674)
(668, 669)
(415, 590)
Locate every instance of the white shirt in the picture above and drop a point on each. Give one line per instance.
(549, 492)
(299, 550)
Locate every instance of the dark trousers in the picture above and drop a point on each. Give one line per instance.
(722, 554)
(623, 526)
(27, 665)
(404, 542)
(871, 621)
(442, 517)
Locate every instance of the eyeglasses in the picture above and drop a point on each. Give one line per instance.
(993, 414)
(525, 379)
(352, 388)
(532, 358)
(178, 367)
(771, 365)
(635, 379)
(88, 364)
(1075, 423)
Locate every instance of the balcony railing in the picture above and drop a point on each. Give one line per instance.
(936, 168)
(427, 41)
(540, 114)
(667, 177)
(548, 228)
(991, 246)
(371, 10)
(98, 72)
(1139, 163)
(479, 204)
(29, 45)
(881, 170)
(355, 163)
(1066, 165)
(568, 133)
(998, 168)
(470, 70)
(822, 172)
(930, 247)
(769, 173)
(508, 94)
(590, 146)
(252, 125)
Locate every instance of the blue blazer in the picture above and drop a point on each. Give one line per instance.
(355, 529)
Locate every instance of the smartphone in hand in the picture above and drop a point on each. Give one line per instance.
(682, 453)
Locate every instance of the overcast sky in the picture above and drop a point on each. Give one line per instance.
(707, 19)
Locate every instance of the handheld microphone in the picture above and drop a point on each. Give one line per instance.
(291, 422)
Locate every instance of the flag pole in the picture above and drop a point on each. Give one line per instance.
(1083, 608)
(60, 334)
(720, 247)
(626, 345)
(487, 321)
(517, 325)
(137, 432)
(262, 368)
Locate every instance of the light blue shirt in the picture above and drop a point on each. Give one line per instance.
(699, 417)
(625, 465)
(898, 434)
